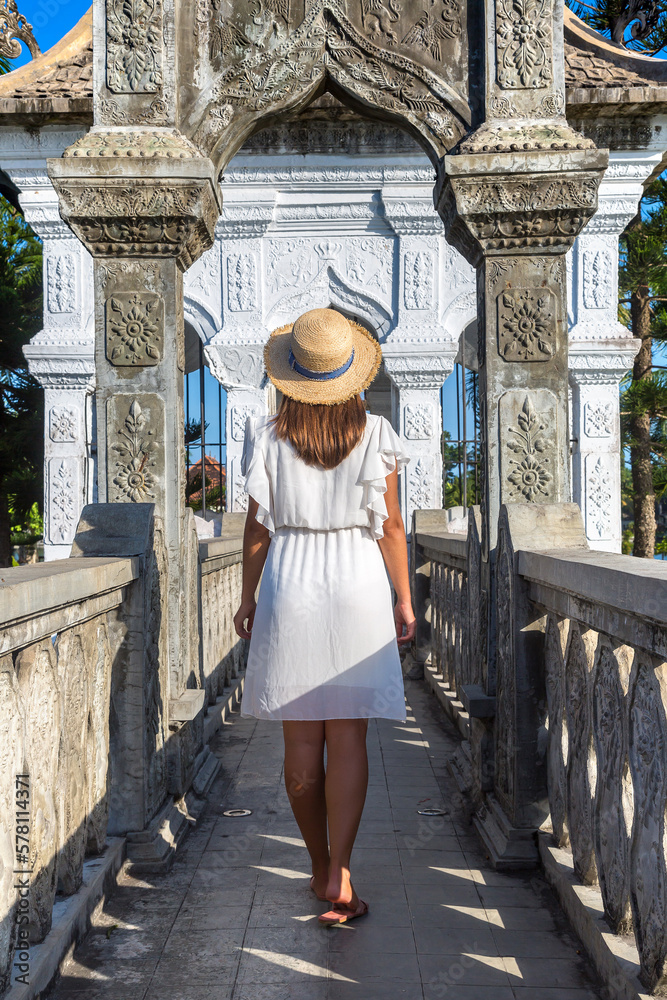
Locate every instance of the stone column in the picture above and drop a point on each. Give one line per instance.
(417, 416)
(235, 354)
(144, 201)
(61, 355)
(601, 349)
(513, 200)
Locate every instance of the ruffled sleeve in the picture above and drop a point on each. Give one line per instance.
(253, 467)
(384, 453)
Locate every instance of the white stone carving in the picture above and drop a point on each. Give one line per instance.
(599, 497)
(240, 415)
(598, 285)
(421, 489)
(242, 282)
(64, 423)
(418, 280)
(60, 283)
(418, 421)
(598, 418)
(63, 499)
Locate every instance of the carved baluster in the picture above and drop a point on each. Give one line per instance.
(648, 878)
(554, 669)
(579, 711)
(612, 808)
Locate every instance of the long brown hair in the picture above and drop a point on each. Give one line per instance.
(321, 434)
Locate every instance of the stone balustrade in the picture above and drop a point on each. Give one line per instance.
(605, 675)
(564, 756)
(96, 742)
(221, 571)
(62, 630)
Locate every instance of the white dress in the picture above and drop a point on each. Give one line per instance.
(324, 641)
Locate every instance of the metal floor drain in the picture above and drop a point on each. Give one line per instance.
(431, 812)
(237, 812)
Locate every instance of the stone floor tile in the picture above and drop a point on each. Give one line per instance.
(381, 989)
(366, 966)
(521, 918)
(533, 944)
(556, 993)
(442, 991)
(448, 916)
(436, 940)
(545, 972)
(297, 937)
(368, 936)
(272, 966)
(457, 892)
(433, 858)
(191, 991)
(439, 971)
(374, 856)
(500, 897)
(275, 991)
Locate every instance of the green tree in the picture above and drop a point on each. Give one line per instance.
(640, 25)
(21, 397)
(643, 287)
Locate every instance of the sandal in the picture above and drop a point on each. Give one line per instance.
(332, 916)
(323, 899)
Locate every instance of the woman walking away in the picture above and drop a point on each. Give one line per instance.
(323, 514)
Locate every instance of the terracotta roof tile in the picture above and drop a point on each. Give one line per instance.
(582, 69)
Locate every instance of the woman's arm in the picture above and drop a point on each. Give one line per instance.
(256, 540)
(394, 549)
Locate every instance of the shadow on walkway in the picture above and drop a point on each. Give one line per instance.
(235, 919)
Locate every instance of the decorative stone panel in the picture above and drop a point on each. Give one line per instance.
(418, 419)
(135, 451)
(527, 324)
(64, 499)
(64, 423)
(418, 279)
(599, 418)
(524, 43)
(242, 282)
(599, 496)
(60, 283)
(529, 461)
(240, 415)
(134, 328)
(134, 46)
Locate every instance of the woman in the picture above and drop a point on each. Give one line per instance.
(323, 514)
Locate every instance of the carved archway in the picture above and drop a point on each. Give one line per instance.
(386, 60)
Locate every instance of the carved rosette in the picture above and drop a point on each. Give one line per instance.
(134, 328)
(162, 201)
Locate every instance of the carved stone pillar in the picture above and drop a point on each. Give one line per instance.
(417, 416)
(513, 200)
(145, 204)
(601, 349)
(61, 355)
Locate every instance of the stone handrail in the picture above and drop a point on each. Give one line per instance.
(61, 632)
(605, 626)
(223, 652)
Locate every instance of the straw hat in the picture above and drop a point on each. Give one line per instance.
(322, 358)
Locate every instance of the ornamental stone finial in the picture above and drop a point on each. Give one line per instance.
(14, 29)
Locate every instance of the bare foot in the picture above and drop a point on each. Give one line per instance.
(319, 882)
(339, 888)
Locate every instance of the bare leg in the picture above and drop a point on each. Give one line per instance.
(345, 786)
(304, 781)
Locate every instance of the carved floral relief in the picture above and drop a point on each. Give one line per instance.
(63, 499)
(418, 420)
(63, 423)
(134, 328)
(134, 475)
(524, 41)
(60, 283)
(242, 282)
(134, 46)
(526, 324)
(530, 437)
(418, 279)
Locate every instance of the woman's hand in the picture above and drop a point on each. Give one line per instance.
(405, 620)
(246, 613)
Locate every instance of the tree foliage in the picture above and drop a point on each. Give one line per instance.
(643, 288)
(640, 25)
(21, 397)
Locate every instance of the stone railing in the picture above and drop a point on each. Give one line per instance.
(62, 629)
(605, 665)
(564, 756)
(96, 741)
(223, 653)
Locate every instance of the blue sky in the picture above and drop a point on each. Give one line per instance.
(50, 20)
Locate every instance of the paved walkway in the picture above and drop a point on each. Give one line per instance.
(235, 920)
